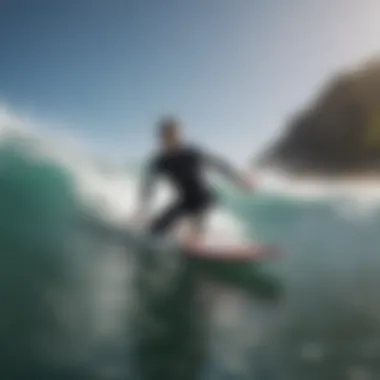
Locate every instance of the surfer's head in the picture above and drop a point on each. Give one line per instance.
(169, 130)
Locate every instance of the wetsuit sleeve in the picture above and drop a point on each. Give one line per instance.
(221, 165)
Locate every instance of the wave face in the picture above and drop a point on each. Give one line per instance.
(82, 297)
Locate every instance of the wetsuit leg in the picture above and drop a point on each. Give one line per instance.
(165, 220)
(198, 211)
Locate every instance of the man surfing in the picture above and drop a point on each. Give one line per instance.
(183, 165)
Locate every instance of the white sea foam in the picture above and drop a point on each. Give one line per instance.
(111, 195)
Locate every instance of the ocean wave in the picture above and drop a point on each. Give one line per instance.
(67, 261)
(74, 292)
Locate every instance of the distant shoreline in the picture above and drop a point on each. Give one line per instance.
(337, 178)
(354, 178)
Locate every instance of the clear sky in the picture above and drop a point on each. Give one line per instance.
(233, 70)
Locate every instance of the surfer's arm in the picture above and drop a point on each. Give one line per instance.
(226, 169)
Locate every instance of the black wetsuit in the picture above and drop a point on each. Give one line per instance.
(184, 169)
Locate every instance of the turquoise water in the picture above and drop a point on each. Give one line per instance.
(83, 300)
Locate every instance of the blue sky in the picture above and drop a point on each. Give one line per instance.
(233, 70)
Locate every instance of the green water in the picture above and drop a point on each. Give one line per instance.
(80, 300)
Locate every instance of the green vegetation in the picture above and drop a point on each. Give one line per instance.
(339, 133)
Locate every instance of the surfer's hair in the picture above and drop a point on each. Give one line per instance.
(167, 125)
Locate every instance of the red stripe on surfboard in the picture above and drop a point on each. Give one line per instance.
(234, 252)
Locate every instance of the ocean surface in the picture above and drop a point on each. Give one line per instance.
(83, 298)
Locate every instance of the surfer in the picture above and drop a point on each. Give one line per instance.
(183, 165)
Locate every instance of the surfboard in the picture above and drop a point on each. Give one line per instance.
(236, 252)
(241, 252)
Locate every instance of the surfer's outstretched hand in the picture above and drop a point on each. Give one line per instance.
(246, 184)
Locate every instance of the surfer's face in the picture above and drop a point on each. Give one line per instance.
(171, 137)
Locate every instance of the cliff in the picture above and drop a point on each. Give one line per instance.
(339, 133)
